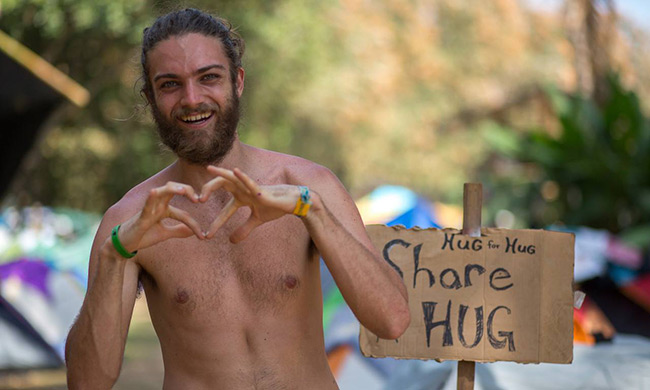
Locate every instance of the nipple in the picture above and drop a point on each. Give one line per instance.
(182, 296)
(290, 281)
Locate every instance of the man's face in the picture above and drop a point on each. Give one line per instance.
(194, 102)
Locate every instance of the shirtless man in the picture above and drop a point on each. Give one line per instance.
(231, 275)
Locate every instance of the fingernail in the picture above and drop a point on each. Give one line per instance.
(205, 234)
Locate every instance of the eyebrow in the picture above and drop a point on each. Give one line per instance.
(198, 71)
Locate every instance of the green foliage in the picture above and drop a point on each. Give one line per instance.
(80, 160)
(94, 155)
(376, 91)
(594, 172)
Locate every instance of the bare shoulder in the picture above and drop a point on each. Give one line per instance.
(135, 198)
(333, 194)
(293, 169)
(300, 171)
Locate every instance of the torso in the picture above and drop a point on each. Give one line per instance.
(238, 316)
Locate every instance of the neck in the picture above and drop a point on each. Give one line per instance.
(197, 175)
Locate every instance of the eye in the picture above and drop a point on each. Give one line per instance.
(168, 84)
(210, 77)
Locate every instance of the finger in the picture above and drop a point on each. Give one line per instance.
(230, 177)
(155, 207)
(222, 218)
(218, 171)
(156, 204)
(189, 193)
(244, 230)
(161, 233)
(154, 201)
(179, 230)
(172, 188)
(211, 186)
(162, 195)
(250, 184)
(184, 217)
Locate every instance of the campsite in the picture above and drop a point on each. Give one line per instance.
(545, 104)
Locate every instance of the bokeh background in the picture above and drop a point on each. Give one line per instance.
(544, 102)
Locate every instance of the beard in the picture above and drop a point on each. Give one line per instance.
(201, 147)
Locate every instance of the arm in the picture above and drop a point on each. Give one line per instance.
(372, 289)
(95, 344)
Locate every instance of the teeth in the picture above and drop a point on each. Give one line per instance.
(196, 117)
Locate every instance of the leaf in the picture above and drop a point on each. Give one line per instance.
(501, 139)
(638, 236)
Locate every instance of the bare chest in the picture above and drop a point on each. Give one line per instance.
(269, 269)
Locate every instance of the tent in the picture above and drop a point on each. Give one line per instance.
(620, 363)
(390, 205)
(623, 363)
(43, 264)
(32, 92)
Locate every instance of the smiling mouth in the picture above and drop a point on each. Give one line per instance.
(196, 118)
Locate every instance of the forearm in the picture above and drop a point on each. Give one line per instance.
(373, 290)
(95, 345)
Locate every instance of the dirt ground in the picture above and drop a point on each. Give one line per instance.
(142, 368)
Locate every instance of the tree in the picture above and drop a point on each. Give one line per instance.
(380, 92)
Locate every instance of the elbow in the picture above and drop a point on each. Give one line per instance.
(401, 317)
(79, 380)
(87, 373)
(398, 321)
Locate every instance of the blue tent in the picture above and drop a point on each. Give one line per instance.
(390, 205)
(43, 264)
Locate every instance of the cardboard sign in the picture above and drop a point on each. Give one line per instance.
(506, 295)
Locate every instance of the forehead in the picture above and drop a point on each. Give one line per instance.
(184, 54)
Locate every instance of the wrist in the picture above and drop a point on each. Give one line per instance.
(107, 251)
(315, 210)
(118, 246)
(303, 203)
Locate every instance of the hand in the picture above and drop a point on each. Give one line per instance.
(146, 228)
(266, 202)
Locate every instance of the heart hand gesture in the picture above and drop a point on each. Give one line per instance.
(266, 202)
(146, 228)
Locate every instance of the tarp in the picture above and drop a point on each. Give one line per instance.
(392, 205)
(32, 91)
(43, 265)
(622, 364)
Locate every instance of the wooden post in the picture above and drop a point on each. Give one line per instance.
(472, 205)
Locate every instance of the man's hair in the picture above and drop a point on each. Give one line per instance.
(188, 21)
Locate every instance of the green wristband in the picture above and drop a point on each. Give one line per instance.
(118, 245)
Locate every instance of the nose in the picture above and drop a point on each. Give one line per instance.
(191, 95)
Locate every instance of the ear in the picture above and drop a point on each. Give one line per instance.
(240, 81)
(148, 95)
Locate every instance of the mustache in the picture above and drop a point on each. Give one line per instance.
(201, 107)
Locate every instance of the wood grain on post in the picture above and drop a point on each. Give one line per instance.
(472, 205)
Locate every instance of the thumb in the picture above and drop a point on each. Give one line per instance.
(244, 230)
